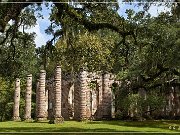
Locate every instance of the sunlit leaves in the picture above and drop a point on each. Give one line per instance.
(87, 50)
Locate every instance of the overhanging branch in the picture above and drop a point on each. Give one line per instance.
(89, 25)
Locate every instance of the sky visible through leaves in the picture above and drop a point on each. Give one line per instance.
(43, 23)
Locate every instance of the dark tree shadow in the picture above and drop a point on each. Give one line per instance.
(164, 125)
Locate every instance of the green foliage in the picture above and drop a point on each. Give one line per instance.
(6, 94)
(85, 50)
(17, 60)
(135, 106)
(92, 85)
(153, 62)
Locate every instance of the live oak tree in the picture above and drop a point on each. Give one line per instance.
(17, 59)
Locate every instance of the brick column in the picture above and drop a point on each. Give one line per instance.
(28, 98)
(57, 96)
(83, 88)
(16, 101)
(41, 96)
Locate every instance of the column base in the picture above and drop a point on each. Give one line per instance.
(83, 119)
(41, 119)
(57, 120)
(28, 120)
(16, 119)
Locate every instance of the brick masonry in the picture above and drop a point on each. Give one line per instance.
(85, 95)
(16, 101)
(79, 101)
(28, 98)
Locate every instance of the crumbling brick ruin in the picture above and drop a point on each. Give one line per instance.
(87, 95)
(79, 100)
(83, 96)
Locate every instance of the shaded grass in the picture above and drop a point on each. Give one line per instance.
(93, 126)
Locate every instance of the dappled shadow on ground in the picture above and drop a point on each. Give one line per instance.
(59, 129)
(164, 125)
(107, 127)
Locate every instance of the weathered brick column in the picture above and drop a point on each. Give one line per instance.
(16, 101)
(83, 88)
(57, 96)
(28, 98)
(41, 95)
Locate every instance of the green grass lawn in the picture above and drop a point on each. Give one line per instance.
(94, 126)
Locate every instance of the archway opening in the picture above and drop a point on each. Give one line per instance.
(93, 98)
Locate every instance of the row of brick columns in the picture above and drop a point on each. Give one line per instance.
(28, 94)
(55, 97)
(41, 98)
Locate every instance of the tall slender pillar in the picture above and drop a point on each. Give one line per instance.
(28, 98)
(16, 101)
(41, 95)
(57, 96)
(83, 88)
